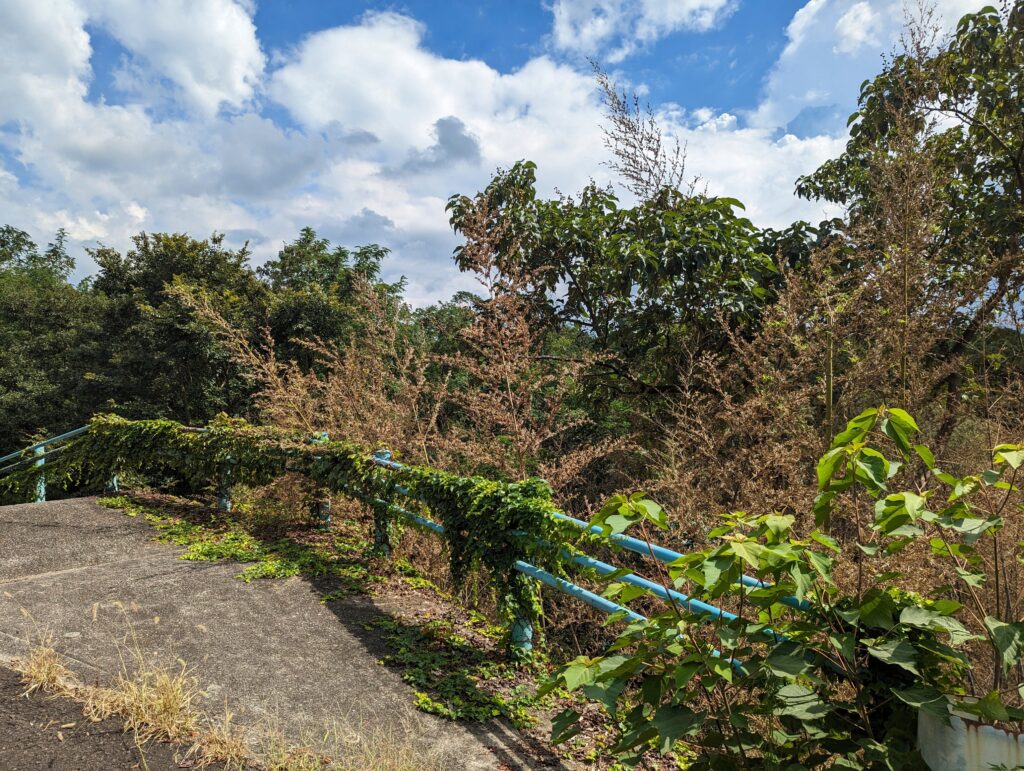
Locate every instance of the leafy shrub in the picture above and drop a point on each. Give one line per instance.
(806, 673)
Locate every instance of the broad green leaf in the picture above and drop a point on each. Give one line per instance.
(872, 468)
(826, 541)
(723, 669)
(651, 690)
(856, 429)
(750, 552)
(1011, 454)
(892, 430)
(828, 465)
(895, 511)
(654, 513)
(925, 455)
(616, 524)
(786, 660)
(565, 725)
(845, 644)
(1008, 639)
(991, 477)
(898, 653)
(673, 722)
(992, 707)
(946, 607)
(803, 579)
(579, 674)
(926, 698)
(625, 593)
(779, 524)
(685, 672)
(971, 578)
(876, 610)
(801, 703)
(923, 618)
(716, 571)
(821, 563)
(902, 419)
(823, 508)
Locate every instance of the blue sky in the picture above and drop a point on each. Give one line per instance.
(360, 118)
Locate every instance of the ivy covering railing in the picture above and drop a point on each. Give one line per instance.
(512, 529)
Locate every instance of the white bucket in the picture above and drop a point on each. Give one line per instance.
(967, 745)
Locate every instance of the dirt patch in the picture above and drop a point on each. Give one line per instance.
(43, 732)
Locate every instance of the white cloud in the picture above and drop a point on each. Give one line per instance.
(810, 84)
(376, 78)
(799, 25)
(381, 130)
(207, 48)
(857, 28)
(615, 29)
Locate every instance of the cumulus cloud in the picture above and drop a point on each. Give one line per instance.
(857, 28)
(453, 144)
(362, 131)
(832, 46)
(207, 48)
(617, 28)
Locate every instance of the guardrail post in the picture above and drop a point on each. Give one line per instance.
(521, 637)
(381, 535)
(381, 531)
(322, 503)
(224, 487)
(41, 481)
(523, 602)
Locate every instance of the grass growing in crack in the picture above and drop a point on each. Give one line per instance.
(222, 741)
(42, 669)
(155, 702)
(160, 703)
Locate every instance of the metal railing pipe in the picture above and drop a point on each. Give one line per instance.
(645, 548)
(38, 453)
(59, 438)
(592, 599)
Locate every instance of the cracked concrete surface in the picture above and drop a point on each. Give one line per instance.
(96, 581)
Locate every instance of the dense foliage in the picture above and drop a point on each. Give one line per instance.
(809, 673)
(669, 343)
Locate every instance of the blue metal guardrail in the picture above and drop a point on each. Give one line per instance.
(39, 454)
(521, 633)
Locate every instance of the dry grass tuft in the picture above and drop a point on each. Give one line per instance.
(366, 745)
(155, 703)
(277, 753)
(222, 741)
(161, 703)
(383, 748)
(43, 670)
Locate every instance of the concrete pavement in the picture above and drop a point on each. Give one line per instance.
(270, 649)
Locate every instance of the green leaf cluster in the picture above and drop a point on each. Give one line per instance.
(803, 673)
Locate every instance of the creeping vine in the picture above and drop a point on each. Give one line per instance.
(489, 525)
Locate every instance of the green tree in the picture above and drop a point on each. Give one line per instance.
(315, 293)
(160, 360)
(48, 339)
(649, 287)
